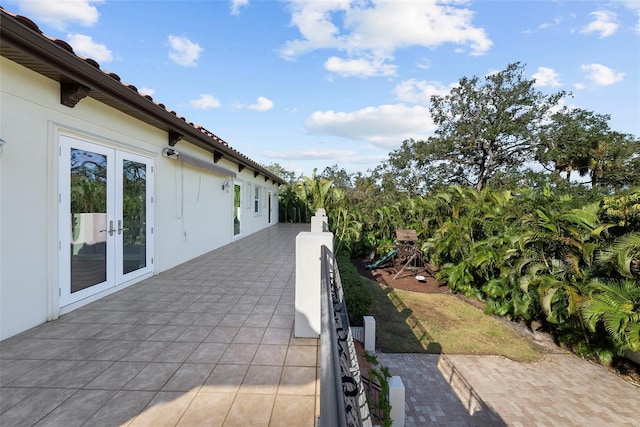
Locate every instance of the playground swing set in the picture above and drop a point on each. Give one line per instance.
(405, 249)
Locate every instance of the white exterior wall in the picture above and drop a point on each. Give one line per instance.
(192, 214)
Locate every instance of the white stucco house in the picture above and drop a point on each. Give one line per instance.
(102, 186)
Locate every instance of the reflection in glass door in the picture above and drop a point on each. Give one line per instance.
(105, 218)
(132, 202)
(88, 218)
(237, 210)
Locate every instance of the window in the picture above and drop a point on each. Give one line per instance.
(249, 197)
(256, 200)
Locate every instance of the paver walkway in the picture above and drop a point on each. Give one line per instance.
(206, 343)
(560, 390)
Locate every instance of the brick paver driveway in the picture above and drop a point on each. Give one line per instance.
(560, 390)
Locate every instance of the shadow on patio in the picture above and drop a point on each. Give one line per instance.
(209, 342)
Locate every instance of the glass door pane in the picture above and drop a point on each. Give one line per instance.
(237, 197)
(132, 226)
(133, 214)
(88, 217)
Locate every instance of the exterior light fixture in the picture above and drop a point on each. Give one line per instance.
(226, 185)
(170, 153)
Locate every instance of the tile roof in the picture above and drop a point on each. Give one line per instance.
(56, 59)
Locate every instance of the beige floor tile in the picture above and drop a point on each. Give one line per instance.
(261, 380)
(301, 355)
(169, 331)
(250, 410)
(276, 336)
(78, 409)
(289, 411)
(285, 309)
(176, 352)
(281, 321)
(207, 409)
(233, 319)
(118, 374)
(298, 380)
(189, 376)
(165, 409)
(223, 334)
(248, 335)
(225, 379)
(34, 407)
(258, 320)
(270, 355)
(264, 309)
(121, 409)
(303, 341)
(152, 377)
(207, 352)
(239, 354)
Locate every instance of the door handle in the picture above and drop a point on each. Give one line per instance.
(111, 229)
(120, 229)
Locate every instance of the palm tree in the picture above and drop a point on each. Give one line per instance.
(615, 305)
(346, 226)
(317, 192)
(624, 255)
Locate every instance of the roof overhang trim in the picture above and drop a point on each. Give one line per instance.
(72, 69)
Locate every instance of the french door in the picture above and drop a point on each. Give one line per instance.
(105, 218)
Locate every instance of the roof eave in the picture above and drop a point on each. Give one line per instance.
(70, 67)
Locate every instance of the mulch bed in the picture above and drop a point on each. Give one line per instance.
(407, 279)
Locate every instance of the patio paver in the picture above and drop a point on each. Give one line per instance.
(467, 390)
(208, 342)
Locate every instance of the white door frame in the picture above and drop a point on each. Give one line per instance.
(113, 235)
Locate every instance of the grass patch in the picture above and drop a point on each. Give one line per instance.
(413, 322)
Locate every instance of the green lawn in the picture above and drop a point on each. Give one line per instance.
(413, 322)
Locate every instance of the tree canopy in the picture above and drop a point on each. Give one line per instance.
(486, 127)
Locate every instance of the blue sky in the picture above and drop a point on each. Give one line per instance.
(310, 84)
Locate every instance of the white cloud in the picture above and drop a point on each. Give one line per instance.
(236, 5)
(84, 45)
(183, 51)
(60, 13)
(545, 77)
(556, 21)
(359, 67)
(633, 5)
(420, 91)
(146, 91)
(376, 28)
(261, 104)
(328, 156)
(204, 102)
(545, 25)
(604, 23)
(384, 126)
(601, 75)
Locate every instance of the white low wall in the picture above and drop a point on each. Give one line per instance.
(396, 399)
(369, 334)
(308, 281)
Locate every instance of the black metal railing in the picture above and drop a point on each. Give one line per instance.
(343, 401)
(373, 390)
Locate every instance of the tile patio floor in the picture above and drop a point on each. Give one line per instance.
(206, 343)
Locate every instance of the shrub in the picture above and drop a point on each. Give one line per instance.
(356, 295)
